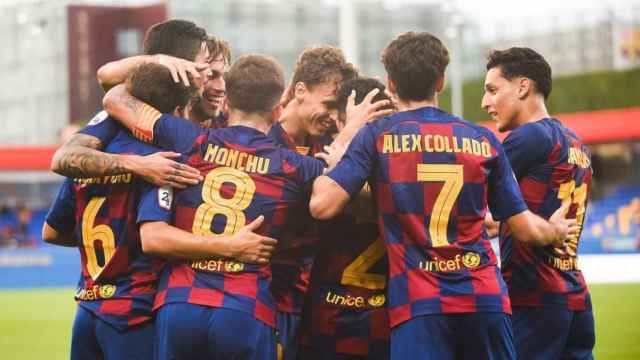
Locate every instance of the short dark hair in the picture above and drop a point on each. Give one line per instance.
(319, 64)
(414, 62)
(153, 84)
(522, 61)
(362, 86)
(255, 83)
(179, 38)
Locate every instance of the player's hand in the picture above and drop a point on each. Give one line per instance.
(566, 229)
(367, 110)
(160, 170)
(333, 153)
(179, 68)
(249, 247)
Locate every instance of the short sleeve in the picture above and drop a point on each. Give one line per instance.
(156, 204)
(356, 165)
(61, 215)
(505, 198)
(310, 169)
(525, 146)
(102, 127)
(173, 133)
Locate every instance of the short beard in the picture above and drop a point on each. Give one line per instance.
(199, 111)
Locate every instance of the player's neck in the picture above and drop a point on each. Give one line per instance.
(532, 111)
(258, 121)
(408, 105)
(293, 125)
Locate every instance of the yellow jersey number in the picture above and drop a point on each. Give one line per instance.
(452, 176)
(356, 273)
(91, 234)
(216, 204)
(568, 192)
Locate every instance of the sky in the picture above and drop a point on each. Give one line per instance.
(505, 10)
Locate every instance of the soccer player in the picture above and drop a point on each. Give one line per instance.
(345, 315)
(433, 176)
(303, 127)
(204, 305)
(79, 156)
(98, 215)
(552, 316)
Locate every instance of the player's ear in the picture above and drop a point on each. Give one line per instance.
(525, 87)
(178, 112)
(300, 90)
(391, 86)
(440, 83)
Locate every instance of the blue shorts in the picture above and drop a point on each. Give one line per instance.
(486, 336)
(287, 326)
(553, 333)
(187, 331)
(93, 338)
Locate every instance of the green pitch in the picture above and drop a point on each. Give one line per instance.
(36, 324)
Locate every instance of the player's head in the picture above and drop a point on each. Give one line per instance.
(362, 86)
(210, 105)
(179, 38)
(317, 76)
(415, 63)
(515, 77)
(255, 84)
(153, 84)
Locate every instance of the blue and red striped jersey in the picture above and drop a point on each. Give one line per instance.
(346, 311)
(552, 165)
(291, 262)
(246, 175)
(118, 281)
(433, 175)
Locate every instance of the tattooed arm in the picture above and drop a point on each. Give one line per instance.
(132, 113)
(80, 158)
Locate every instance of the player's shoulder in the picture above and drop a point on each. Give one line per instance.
(125, 142)
(557, 124)
(542, 132)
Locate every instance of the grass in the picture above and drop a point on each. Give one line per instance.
(36, 324)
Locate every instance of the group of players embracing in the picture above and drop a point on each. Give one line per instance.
(220, 214)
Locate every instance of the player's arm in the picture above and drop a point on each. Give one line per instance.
(492, 226)
(60, 221)
(532, 229)
(147, 124)
(55, 237)
(327, 198)
(116, 72)
(133, 114)
(160, 238)
(80, 157)
(331, 192)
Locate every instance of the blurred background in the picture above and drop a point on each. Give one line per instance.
(52, 49)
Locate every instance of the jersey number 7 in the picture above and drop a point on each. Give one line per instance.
(453, 178)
